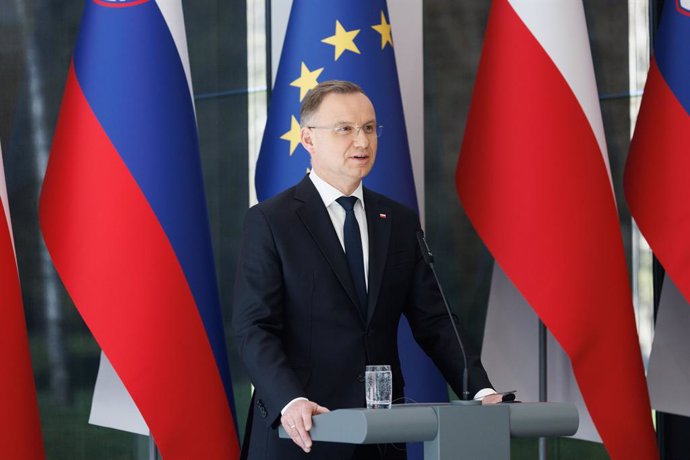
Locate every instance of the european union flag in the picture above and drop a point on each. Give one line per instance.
(346, 40)
(336, 40)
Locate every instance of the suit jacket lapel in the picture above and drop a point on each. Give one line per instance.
(314, 216)
(379, 219)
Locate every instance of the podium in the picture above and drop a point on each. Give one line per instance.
(449, 431)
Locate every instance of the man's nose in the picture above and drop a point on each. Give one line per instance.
(361, 139)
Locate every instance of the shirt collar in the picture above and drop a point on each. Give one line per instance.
(329, 193)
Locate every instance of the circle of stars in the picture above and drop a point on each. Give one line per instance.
(342, 40)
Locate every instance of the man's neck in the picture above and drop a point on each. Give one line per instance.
(346, 188)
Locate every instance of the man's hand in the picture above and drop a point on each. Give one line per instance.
(297, 421)
(492, 399)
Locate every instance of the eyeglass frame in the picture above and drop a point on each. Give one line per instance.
(378, 129)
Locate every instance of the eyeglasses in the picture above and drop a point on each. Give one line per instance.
(369, 129)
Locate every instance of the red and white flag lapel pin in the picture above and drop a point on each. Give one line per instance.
(382, 216)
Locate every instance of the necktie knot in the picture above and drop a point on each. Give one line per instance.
(347, 202)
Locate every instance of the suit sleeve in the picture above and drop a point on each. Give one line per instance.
(433, 331)
(258, 318)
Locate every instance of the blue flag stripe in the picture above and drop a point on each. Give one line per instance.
(671, 50)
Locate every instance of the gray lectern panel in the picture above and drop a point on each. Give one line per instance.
(543, 419)
(367, 426)
(449, 431)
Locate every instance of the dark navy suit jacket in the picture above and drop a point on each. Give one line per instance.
(296, 318)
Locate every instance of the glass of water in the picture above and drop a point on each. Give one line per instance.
(378, 386)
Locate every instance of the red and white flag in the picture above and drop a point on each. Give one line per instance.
(534, 180)
(20, 435)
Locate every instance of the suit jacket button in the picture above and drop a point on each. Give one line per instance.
(360, 377)
(262, 408)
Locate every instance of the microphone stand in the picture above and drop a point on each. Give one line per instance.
(429, 259)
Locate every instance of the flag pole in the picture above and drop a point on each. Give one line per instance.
(543, 445)
(153, 450)
(658, 272)
(269, 51)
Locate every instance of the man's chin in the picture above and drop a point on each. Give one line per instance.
(363, 170)
(362, 173)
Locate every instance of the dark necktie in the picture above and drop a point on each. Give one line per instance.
(353, 250)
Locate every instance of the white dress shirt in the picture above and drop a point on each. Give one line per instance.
(336, 212)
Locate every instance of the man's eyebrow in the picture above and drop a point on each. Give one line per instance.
(352, 123)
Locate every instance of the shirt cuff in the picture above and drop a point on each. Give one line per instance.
(480, 394)
(301, 398)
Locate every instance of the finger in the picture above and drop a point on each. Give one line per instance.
(491, 399)
(291, 429)
(296, 437)
(287, 424)
(321, 410)
(305, 439)
(306, 417)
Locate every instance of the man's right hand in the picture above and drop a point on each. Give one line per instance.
(296, 421)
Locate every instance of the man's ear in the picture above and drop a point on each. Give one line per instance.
(307, 140)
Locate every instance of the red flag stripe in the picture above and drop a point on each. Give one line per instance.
(657, 177)
(124, 278)
(533, 181)
(20, 436)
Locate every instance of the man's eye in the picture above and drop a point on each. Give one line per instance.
(369, 128)
(344, 129)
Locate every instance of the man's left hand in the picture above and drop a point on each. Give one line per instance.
(492, 399)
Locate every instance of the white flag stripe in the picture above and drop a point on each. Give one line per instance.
(511, 353)
(5, 201)
(174, 17)
(112, 406)
(668, 376)
(568, 49)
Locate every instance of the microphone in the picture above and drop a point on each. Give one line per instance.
(429, 260)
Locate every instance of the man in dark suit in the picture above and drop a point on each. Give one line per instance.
(326, 270)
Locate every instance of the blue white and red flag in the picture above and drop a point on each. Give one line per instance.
(124, 217)
(657, 186)
(657, 173)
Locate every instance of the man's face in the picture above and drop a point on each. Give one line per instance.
(342, 156)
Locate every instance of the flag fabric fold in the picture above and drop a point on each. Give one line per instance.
(533, 178)
(20, 436)
(123, 215)
(657, 184)
(668, 372)
(657, 173)
(346, 40)
(508, 342)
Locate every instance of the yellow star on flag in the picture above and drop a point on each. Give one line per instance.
(293, 135)
(385, 30)
(342, 40)
(306, 81)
